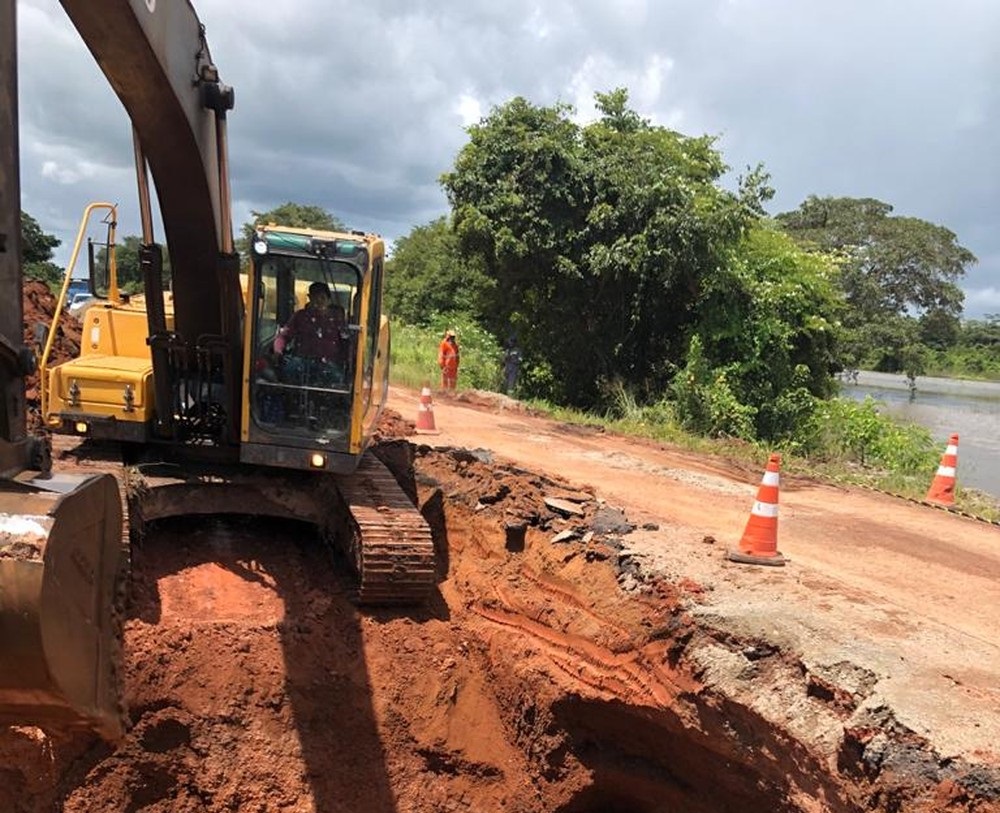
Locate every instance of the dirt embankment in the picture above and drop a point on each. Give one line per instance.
(554, 670)
(39, 307)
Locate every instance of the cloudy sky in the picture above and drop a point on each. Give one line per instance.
(359, 107)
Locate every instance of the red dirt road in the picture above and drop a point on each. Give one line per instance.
(897, 601)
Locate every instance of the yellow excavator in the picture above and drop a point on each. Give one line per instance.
(186, 382)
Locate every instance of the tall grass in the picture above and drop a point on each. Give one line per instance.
(844, 440)
(415, 352)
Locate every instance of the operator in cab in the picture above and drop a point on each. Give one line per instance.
(312, 347)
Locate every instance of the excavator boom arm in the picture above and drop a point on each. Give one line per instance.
(156, 58)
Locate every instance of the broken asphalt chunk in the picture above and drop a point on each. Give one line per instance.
(564, 507)
(564, 536)
(609, 520)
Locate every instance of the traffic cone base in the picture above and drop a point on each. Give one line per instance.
(425, 414)
(775, 560)
(942, 490)
(759, 544)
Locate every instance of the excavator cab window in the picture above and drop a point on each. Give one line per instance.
(306, 328)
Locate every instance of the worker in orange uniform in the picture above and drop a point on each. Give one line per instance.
(448, 360)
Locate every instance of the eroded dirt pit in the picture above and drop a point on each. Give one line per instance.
(548, 673)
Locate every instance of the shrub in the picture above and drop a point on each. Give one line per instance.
(845, 430)
(705, 402)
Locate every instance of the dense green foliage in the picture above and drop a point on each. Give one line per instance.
(899, 278)
(599, 239)
(427, 276)
(845, 430)
(619, 261)
(37, 250)
(764, 346)
(973, 353)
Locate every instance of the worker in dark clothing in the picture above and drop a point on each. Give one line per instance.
(511, 365)
(314, 342)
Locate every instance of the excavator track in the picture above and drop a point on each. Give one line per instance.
(389, 541)
(367, 515)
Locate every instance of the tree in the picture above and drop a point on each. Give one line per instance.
(127, 263)
(765, 342)
(295, 215)
(36, 245)
(939, 329)
(982, 332)
(427, 276)
(37, 249)
(894, 269)
(598, 239)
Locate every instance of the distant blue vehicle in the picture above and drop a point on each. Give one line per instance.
(76, 287)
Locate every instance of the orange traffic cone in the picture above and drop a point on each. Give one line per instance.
(425, 413)
(942, 490)
(759, 545)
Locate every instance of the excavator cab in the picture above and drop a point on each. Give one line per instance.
(313, 365)
(302, 382)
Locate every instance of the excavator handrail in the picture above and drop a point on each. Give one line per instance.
(43, 362)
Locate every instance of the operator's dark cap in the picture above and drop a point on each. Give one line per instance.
(319, 288)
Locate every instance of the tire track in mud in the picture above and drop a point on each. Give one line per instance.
(567, 597)
(632, 677)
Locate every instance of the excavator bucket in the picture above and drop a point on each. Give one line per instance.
(62, 563)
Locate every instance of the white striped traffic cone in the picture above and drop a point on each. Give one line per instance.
(759, 545)
(942, 490)
(425, 413)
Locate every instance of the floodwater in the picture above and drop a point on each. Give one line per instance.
(944, 406)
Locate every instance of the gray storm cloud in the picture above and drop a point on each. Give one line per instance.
(360, 108)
